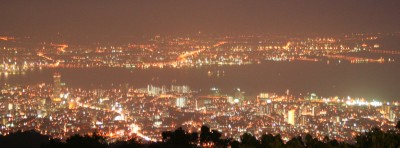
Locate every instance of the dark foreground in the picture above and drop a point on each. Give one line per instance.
(374, 138)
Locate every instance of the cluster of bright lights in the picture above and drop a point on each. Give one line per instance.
(363, 103)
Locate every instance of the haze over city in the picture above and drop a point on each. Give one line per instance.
(147, 70)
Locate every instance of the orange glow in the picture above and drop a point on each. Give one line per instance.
(61, 47)
(4, 38)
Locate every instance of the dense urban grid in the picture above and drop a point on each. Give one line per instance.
(124, 111)
(19, 54)
(199, 73)
(119, 113)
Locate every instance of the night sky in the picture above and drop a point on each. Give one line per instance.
(99, 18)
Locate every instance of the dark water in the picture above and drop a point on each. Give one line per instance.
(372, 81)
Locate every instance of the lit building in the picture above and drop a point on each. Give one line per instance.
(385, 110)
(239, 96)
(291, 117)
(230, 99)
(392, 115)
(180, 102)
(305, 120)
(180, 89)
(57, 87)
(262, 98)
(155, 91)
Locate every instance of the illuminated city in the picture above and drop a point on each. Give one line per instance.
(234, 75)
(196, 51)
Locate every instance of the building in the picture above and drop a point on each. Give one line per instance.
(180, 102)
(239, 96)
(291, 117)
(155, 91)
(57, 88)
(180, 89)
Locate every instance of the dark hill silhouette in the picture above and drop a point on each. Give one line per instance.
(179, 138)
(26, 139)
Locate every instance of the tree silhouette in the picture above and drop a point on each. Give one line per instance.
(131, 143)
(194, 138)
(377, 138)
(309, 140)
(178, 138)
(215, 137)
(267, 140)
(235, 144)
(295, 142)
(166, 136)
(86, 141)
(54, 143)
(26, 139)
(225, 142)
(249, 141)
(205, 134)
(278, 142)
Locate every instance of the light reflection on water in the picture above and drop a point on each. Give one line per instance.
(374, 81)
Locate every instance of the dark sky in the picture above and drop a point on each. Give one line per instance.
(113, 18)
